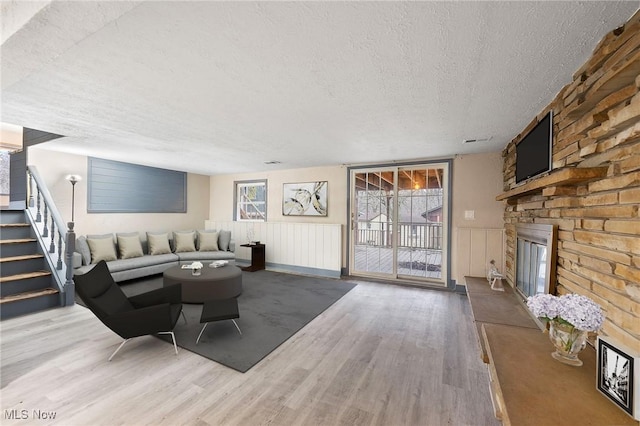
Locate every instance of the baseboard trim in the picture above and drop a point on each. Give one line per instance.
(302, 270)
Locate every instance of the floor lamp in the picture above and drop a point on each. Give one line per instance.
(73, 179)
(70, 246)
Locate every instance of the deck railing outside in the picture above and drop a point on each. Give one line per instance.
(427, 236)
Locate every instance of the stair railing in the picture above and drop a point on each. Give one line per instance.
(56, 238)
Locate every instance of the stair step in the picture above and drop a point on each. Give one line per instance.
(15, 232)
(28, 295)
(23, 257)
(34, 274)
(18, 241)
(12, 216)
(14, 225)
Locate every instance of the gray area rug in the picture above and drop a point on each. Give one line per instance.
(273, 307)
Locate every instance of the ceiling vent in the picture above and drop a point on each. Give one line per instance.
(476, 140)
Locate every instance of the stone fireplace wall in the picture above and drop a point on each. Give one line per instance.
(596, 124)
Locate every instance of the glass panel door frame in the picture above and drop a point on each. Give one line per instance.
(420, 222)
(372, 219)
(395, 271)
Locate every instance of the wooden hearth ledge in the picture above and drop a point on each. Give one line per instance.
(528, 386)
(564, 177)
(495, 307)
(534, 389)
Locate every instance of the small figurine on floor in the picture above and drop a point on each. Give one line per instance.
(493, 275)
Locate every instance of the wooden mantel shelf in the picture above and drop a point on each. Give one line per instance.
(564, 177)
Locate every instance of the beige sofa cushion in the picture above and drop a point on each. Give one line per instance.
(208, 241)
(102, 248)
(129, 245)
(158, 243)
(184, 241)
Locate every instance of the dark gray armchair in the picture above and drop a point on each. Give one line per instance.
(154, 312)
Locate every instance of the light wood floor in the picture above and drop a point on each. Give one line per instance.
(382, 355)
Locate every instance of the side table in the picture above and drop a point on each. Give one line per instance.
(257, 257)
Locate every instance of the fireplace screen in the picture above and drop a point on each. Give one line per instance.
(532, 267)
(535, 254)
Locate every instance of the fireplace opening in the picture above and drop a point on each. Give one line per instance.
(535, 259)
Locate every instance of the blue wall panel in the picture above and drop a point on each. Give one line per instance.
(116, 187)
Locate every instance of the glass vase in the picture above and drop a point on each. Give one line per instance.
(568, 341)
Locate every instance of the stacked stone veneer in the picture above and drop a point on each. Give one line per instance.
(596, 124)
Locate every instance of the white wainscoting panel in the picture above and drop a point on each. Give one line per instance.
(476, 248)
(303, 247)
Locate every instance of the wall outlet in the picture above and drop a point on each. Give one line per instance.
(469, 214)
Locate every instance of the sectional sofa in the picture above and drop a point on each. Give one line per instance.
(131, 255)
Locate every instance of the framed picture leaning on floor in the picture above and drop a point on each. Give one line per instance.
(617, 375)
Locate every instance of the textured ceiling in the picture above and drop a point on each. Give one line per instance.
(223, 87)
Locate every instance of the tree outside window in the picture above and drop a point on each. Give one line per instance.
(251, 201)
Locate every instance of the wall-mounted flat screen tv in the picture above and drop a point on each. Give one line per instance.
(533, 152)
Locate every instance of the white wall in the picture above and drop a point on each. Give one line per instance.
(477, 180)
(10, 137)
(313, 248)
(222, 187)
(477, 247)
(54, 166)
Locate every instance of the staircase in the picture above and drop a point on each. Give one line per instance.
(26, 282)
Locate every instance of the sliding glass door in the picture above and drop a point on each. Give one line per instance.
(399, 223)
(372, 213)
(420, 222)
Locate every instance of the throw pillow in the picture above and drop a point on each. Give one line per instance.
(158, 243)
(129, 245)
(82, 247)
(184, 241)
(96, 236)
(224, 239)
(207, 241)
(102, 249)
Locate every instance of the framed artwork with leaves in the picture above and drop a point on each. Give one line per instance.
(305, 199)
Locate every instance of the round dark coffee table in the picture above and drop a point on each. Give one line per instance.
(212, 283)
